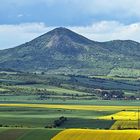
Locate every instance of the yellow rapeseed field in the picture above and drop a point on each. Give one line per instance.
(125, 125)
(123, 115)
(87, 134)
(77, 107)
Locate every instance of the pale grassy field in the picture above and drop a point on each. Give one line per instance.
(2, 89)
(54, 89)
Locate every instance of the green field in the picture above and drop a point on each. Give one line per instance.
(39, 117)
(27, 134)
(53, 89)
(29, 123)
(127, 72)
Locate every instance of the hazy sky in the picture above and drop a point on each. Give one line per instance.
(22, 20)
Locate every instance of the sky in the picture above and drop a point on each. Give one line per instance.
(99, 20)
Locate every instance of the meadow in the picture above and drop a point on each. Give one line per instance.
(27, 134)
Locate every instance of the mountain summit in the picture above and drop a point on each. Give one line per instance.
(64, 51)
(60, 38)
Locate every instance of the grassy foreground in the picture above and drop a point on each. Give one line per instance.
(27, 134)
(29, 121)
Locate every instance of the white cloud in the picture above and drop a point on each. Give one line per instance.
(110, 30)
(20, 15)
(12, 35)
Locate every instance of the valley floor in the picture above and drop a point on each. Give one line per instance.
(38, 107)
